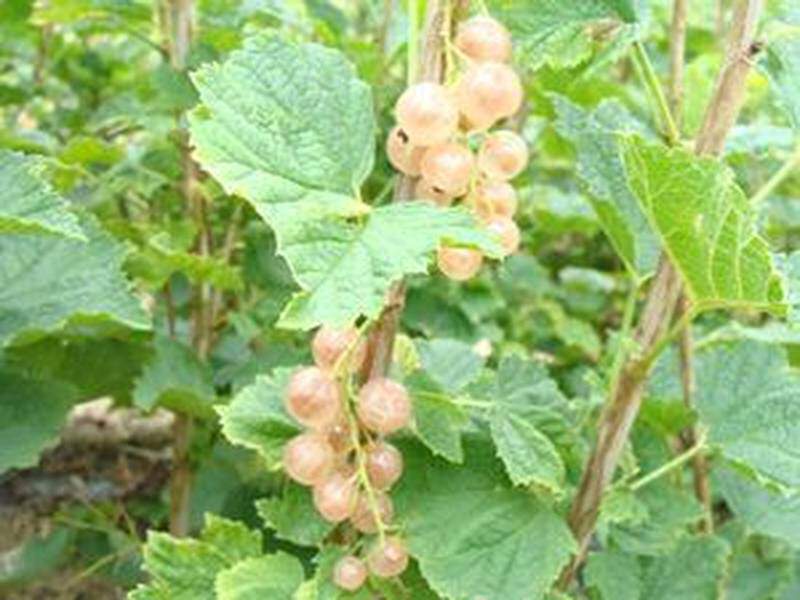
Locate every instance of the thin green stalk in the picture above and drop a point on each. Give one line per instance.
(669, 466)
(766, 190)
(625, 332)
(413, 40)
(655, 92)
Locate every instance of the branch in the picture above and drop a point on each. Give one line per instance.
(677, 48)
(623, 405)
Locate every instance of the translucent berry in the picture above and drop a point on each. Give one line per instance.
(349, 573)
(339, 436)
(503, 155)
(363, 518)
(427, 113)
(388, 559)
(493, 198)
(425, 191)
(335, 497)
(402, 154)
(313, 398)
(308, 458)
(483, 38)
(488, 91)
(383, 405)
(384, 465)
(330, 343)
(459, 264)
(507, 231)
(447, 166)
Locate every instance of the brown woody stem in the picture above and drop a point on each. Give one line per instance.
(625, 399)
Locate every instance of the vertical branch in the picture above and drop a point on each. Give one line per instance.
(623, 405)
(677, 48)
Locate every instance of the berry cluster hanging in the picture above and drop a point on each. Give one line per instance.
(435, 125)
(343, 455)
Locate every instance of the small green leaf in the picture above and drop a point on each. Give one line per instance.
(293, 517)
(273, 576)
(29, 204)
(175, 378)
(451, 363)
(615, 575)
(438, 418)
(256, 417)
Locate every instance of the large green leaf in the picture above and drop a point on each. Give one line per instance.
(46, 281)
(256, 417)
(31, 415)
(186, 569)
(29, 204)
(475, 536)
(273, 576)
(287, 126)
(781, 62)
(694, 571)
(600, 168)
(747, 395)
(705, 225)
(345, 269)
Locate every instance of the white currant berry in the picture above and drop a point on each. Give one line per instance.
(330, 343)
(459, 264)
(308, 458)
(503, 155)
(388, 559)
(335, 497)
(384, 465)
(349, 573)
(425, 191)
(383, 405)
(508, 233)
(402, 154)
(488, 91)
(313, 398)
(427, 114)
(483, 38)
(493, 198)
(363, 519)
(339, 437)
(447, 167)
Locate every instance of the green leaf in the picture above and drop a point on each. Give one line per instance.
(615, 575)
(438, 418)
(32, 413)
(694, 571)
(175, 378)
(781, 63)
(289, 127)
(186, 569)
(273, 576)
(345, 269)
(602, 172)
(705, 224)
(293, 517)
(473, 535)
(256, 417)
(46, 282)
(451, 363)
(29, 204)
(747, 397)
(755, 574)
(36, 557)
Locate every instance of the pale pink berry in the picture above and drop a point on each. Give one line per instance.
(507, 232)
(425, 191)
(349, 573)
(493, 198)
(383, 405)
(384, 465)
(313, 398)
(459, 264)
(308, 458)
(402, 154)
(335, 497)
(503, 155)
(447, 166)
(388, 559)
(488, 91)
(483, 38)
(330, 344)
(363, 518)
(427, 114)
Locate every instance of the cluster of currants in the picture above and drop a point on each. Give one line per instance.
(343, 455)
(435, 125)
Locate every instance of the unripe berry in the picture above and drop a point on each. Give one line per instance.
(308, 458)
(383, 405)
(402, 154)
(447, 166)
(335, 497)
(427, 113)
(388, 559)
(330, 343)
(487, 92)
(349, 573)
(363, 518)
(424, 191)
(503, 155)
(384, 465)
(483, 38)
(313, 398)
(459, 264)
(508, 233)
(493, 198)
